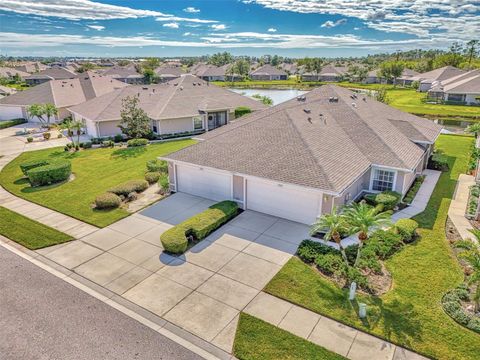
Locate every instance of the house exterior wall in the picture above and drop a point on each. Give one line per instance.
(171, 126)
(327, 204)
(9, 112)
(472, 98)
(109, 128)
(238, 188)
(268, 77)
(361, 184)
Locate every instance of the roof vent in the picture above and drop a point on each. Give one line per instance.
(309, 120)
(354, 105)
(308, 111)
(144, 88)
(153, 90)
(364, 99)
(181, 87)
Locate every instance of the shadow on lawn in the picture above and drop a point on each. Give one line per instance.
(130, 152)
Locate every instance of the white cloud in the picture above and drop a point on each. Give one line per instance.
(191, 9)
(218, 27)
(84, 9)
(172, 25)
(272, 30)
(187, 34)
(96, 27)
(330, 24)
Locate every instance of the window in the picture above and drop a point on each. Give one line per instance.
(197, 123)
(383, 180)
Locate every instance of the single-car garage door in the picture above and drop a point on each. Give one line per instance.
(283, 201)
(204, 183)
(9, 112)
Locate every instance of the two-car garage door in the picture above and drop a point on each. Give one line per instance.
(204, 183)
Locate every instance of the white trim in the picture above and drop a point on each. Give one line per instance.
(193, 122)
(372, 175)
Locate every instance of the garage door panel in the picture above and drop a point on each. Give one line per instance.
(10, 112)
(282, 201)
(204, 183)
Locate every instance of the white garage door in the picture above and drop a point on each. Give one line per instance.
(204, 183)
(282, 201)
(10, 112)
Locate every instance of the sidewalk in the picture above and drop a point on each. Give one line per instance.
(323, 331)
(458, 205)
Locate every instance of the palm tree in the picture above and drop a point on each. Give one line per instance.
(471, 255)
(362, 218)
(36, 110)
(473, 129)
(333, 225)
(49, 111)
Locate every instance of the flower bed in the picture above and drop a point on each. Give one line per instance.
(457, 304)
(412, 192)
(472, 203)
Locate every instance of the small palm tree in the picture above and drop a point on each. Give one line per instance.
(50, 110)
(36, 110)
(333, 225)
(473, 129)
(472, 256)
(362, 218)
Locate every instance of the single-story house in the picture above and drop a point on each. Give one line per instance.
(291, 69)
(328, 73)
(408, 76)
(268, 72)
(9, 73)
(427, 79)
(61, 93)
(126, 74)
(373, 77)
(54, 73)
(186, 104)
(462, 89)
(31, 67)
(5, 91)
(300, 159)
(216, 73)
(167, 73)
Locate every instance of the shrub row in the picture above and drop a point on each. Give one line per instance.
(242, 110)
(9, 123)
(152, 176)
(51, 173)
(26, 166)
(129, 187)
(438, 162)
(414, 189)
(107, 201)
(157, 165)
(452, 305)
(175, 240)
(137, 142)
(407, 229)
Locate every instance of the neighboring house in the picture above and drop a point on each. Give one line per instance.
(167, 73)
(268, 72)
(61, 93)
(126, 74)
(427, 79)
(5, 91)
(216, 73)
(373, 78)
(9, 73)
(54, 73)
(300, 159)
(31, 67)
(462, 89)
(328, 73)
(408, 76)
(291, 69)
(186, 104)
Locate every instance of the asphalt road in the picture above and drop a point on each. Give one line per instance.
(43, 317)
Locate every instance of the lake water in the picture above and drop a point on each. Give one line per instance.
(278, 96)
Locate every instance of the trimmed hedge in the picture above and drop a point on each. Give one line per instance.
(438, 162)
(52, 173)
(164, 183)
(107, 201)
(152, 177)
(137, 142)
(412, 192)
(175, 240)
(242, 110)
(9, 123)
(157, 165)
(452, 305)
(31, 165)
(407, 229)
(309, 250)
(129, 187)
(389, 199)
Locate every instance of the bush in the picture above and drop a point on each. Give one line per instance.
(29, 139)
(47, 135)
(453, 307)
(164, 183)
(368, 260)
(157, 165)
(354, 274)
(331, 264)
(31, 165)
(118, 138)
(199, 226)
(137, 142)
(384, 243)
(128, 187)
(9, 123)
(107, 201)
(59, 136)
(132, 196)
(388, 199)
(438, 162)
(308, 250)
(108, 143)
(86, 145)
(407, 229)
(54, 172)
(152, 177)
(242, 110)
(413, 189)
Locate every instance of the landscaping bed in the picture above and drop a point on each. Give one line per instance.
(27, 232)
(10, 123)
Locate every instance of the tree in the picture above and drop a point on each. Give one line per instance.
(473, 129)
(72, 127)
(362, 218)
(471, 50)
(264, 99)
(471, 255)
(314, 65)
(50, 110)
(242, 67)
(151, 63)
(333, 225)
(150, 76)
(391, 70)
(36, 110)
(135, 122)
(220, 59)
(86, 67)
(382, 95)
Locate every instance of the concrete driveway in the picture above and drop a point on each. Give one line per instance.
(202, 291)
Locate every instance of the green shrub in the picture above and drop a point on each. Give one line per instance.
(137, 142)
(107, 201)
(9, 123)
(108, 143)
(369, 261)
(130, 186)
(388, 199)
(157, 165)
(86, 145)
(330, 264)
(118, 138)
(152, 177)
(175, 240)
(407, 229)
(308, 250)
(438, 162)
(351, 252)
(47, 135)
(474, 324)
(384, 243)
(354, 274)
(52, 173)
(32, 164)
(413, 190)
(29, 139)
(242, 110)
(164, 183)
(453, 307)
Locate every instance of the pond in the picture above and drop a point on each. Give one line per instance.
(278, 96)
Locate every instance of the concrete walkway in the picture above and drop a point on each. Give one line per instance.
(458, 206)
(323, 331)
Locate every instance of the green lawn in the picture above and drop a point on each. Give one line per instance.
(256, 339)
(410, 314)
(95, 171)
(27, 232)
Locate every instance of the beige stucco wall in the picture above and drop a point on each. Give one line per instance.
(238, 187)
(354, 190)
(171, 126)
(327, 204)
(109, 128)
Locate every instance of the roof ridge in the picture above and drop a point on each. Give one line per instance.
(182, 79)
(120, 92)
(53, 92)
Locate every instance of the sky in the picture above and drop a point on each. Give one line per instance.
(173, 28)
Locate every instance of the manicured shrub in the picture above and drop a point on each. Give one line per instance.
(384, 243)
(157, 165)
(130, 186)
(108, 143)
(52, 173)
(29, 139)
(438, 162)
(164, 183)
(86, 145)
(132, 196)
(308, 250)
(9, 123)
(137, 142)
(453, 307)
(107, 201)
(330, 264)
(32, 164)
(354, 274)
(118, 138)
(389, 199)
(413, 189)
(47, 135)
(369, 260)
(242, 110)
(59, 136)
(407, 229)
(152, 177)
(175, 240)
